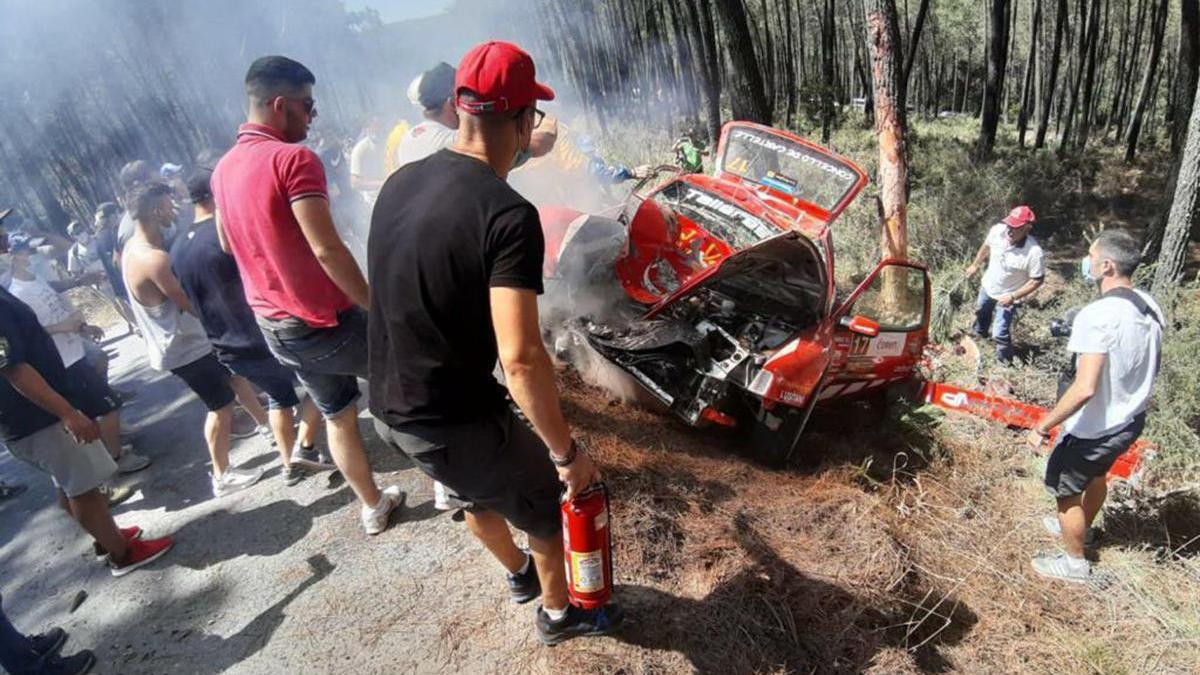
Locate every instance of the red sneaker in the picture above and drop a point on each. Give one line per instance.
(140, 553)
(130, 533)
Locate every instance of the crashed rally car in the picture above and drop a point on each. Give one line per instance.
(717, 295)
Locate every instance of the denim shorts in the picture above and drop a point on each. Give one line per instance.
(327, 361)
(276, 381)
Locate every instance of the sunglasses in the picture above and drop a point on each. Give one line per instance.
(309, 103)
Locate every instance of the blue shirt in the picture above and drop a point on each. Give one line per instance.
(210, 278)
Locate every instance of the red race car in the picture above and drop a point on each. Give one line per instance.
(716, 293)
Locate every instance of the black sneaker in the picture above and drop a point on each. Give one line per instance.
(76, 664)
(310, 459)
(524, 587)
(294, 474)
(578, 623)
(49, 642)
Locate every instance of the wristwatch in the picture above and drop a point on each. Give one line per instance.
(565, 461)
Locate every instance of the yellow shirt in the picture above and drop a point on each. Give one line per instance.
(393, 142)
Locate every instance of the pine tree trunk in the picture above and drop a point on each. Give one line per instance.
(883, 42)
(1157, 28)
(1184, 213)
(1060, 25)
(827, 85)
(1089, 78)
(1027, 93)
(747, 97)
(1186, 71)
(993, 86)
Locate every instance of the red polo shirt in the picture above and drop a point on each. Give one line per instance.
(254, 185)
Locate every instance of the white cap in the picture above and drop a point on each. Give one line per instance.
(414, 91)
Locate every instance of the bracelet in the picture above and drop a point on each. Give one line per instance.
(566, 461)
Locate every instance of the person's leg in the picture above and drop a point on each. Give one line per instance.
(548, 557)
(984, 307)
(90, 509)
(283, 422)
(248, 399)
(346, 446)
(110, 433)
(1002, 332)
(1073, 523)
(16, 650)
(217, 426)
(1093, 499)
(492, 531)
(310, 423)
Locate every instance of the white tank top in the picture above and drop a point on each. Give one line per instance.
(173, 337)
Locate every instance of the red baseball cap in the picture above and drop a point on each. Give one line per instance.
(502, 77)
(1019, 217)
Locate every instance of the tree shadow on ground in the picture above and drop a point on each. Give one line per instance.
(1171, 527)
(772, 617)
(184, 648)
(205, 542)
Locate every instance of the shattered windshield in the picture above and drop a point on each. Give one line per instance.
(731, 224)
(788, 167)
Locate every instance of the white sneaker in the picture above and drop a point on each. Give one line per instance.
(234, 480)
(441, 498)
(129, 461)
(375, 519)
(268, 435)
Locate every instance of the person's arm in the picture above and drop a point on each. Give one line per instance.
(316, 222)
(221, 234)
(71, 324)
(159, 268)
(1088, 370)
(1029, 288)
(357, 180)
(530, 377)
(30, 384)
(980, 256)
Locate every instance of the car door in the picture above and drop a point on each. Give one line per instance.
(880, 331)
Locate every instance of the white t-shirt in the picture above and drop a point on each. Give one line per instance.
(1010, 267)
(422, 141)
(1132, 341)
(50, 308)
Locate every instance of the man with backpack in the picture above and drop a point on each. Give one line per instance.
(1116, 341)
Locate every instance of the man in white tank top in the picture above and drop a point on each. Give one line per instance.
(175, 340)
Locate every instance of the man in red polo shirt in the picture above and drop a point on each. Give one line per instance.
(307, 293)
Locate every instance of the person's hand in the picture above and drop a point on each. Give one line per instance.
(579, 474)
(93, 333)
(1036, 440)
(82, 428)
(971, 270)
(1006, 300)
(72, 325)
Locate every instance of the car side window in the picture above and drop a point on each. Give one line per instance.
(895, 299)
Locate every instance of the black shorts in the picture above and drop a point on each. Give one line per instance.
(209, 379)
(1075, 462)
(88, 392)
(497, 464)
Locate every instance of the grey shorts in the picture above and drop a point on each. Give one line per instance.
(1075, 462)
(76, 469)
(496, 464)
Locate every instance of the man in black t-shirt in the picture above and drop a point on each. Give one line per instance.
(456, 265)
(209, 277)
(41, 427)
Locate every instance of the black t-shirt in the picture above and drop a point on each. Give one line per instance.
(210, 278)
(445, 230)
(106, 244)
(23, 340)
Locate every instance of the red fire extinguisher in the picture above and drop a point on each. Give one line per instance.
(587, 547)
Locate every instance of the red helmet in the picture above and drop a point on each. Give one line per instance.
(1019, 217)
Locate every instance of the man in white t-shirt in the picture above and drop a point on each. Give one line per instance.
(367, 162)
(1015, 270)
(1117, 343)
(434, 91)
(67, 329)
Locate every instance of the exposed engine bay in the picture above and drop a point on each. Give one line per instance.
(709, 342)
